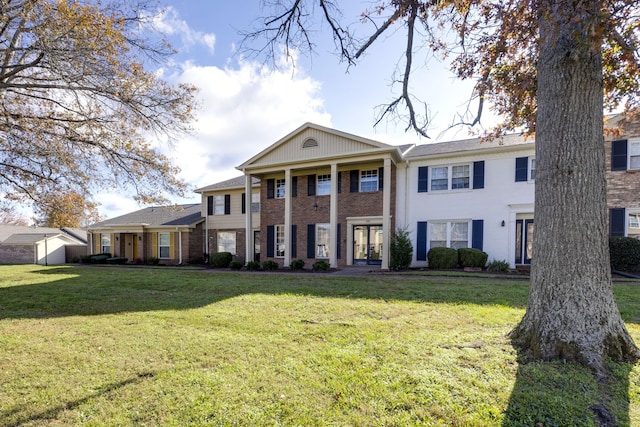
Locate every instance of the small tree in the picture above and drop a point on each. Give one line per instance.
(401, 250)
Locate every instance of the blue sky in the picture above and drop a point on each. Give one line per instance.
(245, 105)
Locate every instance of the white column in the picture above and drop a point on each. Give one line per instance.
(386, 215)
(179, 247)
(287, 218)
(333, 218)
(248, 250)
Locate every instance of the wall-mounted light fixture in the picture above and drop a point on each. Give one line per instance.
(139, 238)
(116, 238)
(315, 206)
(502, 223)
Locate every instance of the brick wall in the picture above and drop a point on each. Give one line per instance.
(623, 187)
(17, 254)
(304, 213)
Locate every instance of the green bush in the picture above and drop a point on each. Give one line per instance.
(496, 265)
(320, 266)
(86, 259)
(153, 261)
(624, 253)
(470, 257)
(269, 265)
(236, 265)
(297, 264)
(442, 258)
(253, 266)
(220, 259)
(117, 260)
(99, 259)
(401, 250)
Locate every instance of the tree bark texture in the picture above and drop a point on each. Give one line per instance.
(571, 313)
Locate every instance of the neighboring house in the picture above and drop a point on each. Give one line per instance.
(623, 179)
(40, 245)
(224, 207)
(470, 193)
(324, 195)
(174, 234)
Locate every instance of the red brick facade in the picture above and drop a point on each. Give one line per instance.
(315, 209)
(623, 187)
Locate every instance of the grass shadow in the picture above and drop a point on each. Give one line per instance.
(562, 393)
(52, 413)
(96, 291)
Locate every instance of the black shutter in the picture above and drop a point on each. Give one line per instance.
(270, 240)
(477, 233)
(421, 241)
(227, 204)
(311, 241)
(270, 188)
(209, 205)
(294, 186)
(244, 203)
(338, 242)
(423, 179)
(354, 181)
(339, 178)
(616, 222)
(294, 241)
(311, 185)
(522, 166)
(380, 178)
(478, 174)
(619, 155)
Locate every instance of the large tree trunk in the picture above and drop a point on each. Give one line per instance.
(571, 312)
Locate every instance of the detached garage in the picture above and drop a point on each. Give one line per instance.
(45, 246)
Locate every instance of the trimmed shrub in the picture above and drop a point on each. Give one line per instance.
(470, 257)
(100, 258)
(496, 265)
(624, 253)
(220, 259)
(117, 260)
(269, 265)
(320, 266)
(401, 250)
(297, 264)
(253, 266)
(235, 265)
(442, 258)
(153, 261)
(85, 259)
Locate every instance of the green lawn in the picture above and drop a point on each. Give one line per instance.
(176, 347)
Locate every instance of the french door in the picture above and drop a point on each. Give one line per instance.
(367, 244)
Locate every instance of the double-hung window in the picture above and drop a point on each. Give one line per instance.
(459, 177)
(633, 224)
(255, 202)
(323, 185)
(449, 234)
(279, 241)
(634, 154)
(163, 245)
(322, 240)
(450, 177)
(218, 205)
(369, 180)
(105, 243)
(280, 188)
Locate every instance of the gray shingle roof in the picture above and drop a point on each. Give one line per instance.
(157, 216)
(8, 230)
(464, 145)
(237, 182)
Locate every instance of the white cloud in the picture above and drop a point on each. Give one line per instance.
(168, 22)
(244, 110)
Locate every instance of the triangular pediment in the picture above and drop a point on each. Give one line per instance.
(312, 142)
